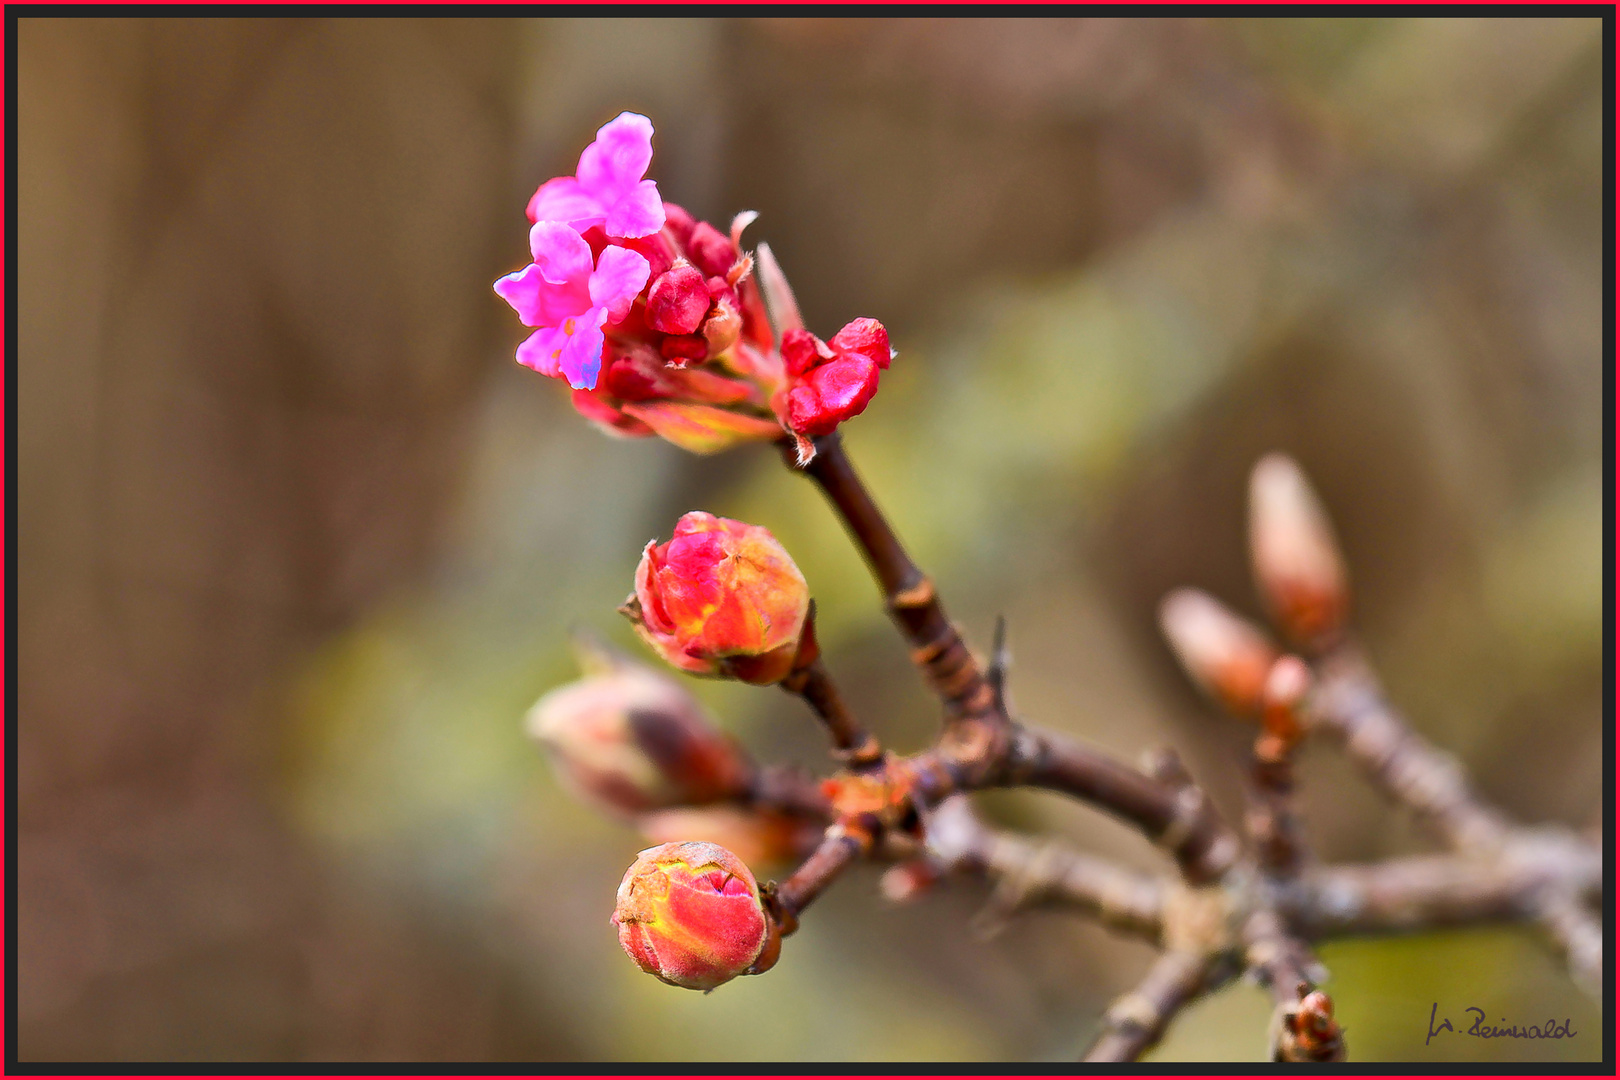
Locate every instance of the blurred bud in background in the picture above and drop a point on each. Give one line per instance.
(1225, 655)
(1297, 565)
(758, 837)
(690, 913)
(631, 740)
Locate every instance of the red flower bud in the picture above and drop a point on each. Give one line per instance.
(678, 222)
(802, 350)
(1225, 655)
(867, 337)
(631, 740)
(721, 289)
(678, 300)
(828, 395)
(682, 349)
(690, 913)
(1296, 559)
(711, 250)
(829, 383)
(721, 598)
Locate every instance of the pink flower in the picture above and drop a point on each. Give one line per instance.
(608, 189)
(569, 299)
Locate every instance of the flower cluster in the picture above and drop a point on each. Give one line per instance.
(656, 321)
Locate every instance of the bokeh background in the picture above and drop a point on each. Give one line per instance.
(299, 542)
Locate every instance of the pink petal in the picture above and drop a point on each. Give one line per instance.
(640, 212)
(618, 158)
(522, 290)
(561, 253)
(542, 350)
(581, 358)
(620, 276)
(564, 200)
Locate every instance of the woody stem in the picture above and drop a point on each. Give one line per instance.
(851, 742)
(936, 646)
(837, 851)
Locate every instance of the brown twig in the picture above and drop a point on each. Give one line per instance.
(837, 851)
(1349, 703)
(1173, 811)
(852, 744)
(1028, 874)
(1423, 892)
(936, 646)
(1302, 1024)
(1137, 1020)
(1273, 820)
(984, 748)
(1577, 934)
(789, 790)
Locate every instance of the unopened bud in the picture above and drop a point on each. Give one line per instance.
(631, 740)
(721, 598)
(711, 250)
(683, 349)
(723, 326)
(828, 395)
(1297, 563)
(866, 337)
(679, 222)
(690, 913)
(759, 837)
(904, 882)
(677, 300)
(1225, 655)
(1282, 697)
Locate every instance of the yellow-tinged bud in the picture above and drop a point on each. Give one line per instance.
(690, 913)
(721, 598)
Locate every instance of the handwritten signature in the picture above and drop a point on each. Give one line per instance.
(1552, 1029)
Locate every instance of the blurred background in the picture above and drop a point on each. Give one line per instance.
(299, 542)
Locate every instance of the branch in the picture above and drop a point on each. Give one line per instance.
(1577, 934)
(837, 851)
(1350, 703)
(789, 790)
(1027, 874)
(852, 744)
(936, 646)
(982, 747)
(1303, 1028)
(1172, 810)
(1428, 891)
(1136, 1020)
(1273, 820)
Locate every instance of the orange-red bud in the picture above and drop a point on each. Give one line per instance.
(1297, 564)
(677, 300)
(721, 598)
(1225, 655)
(631, 740)
(690, 913)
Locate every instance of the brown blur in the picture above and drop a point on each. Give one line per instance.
(299, 543)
